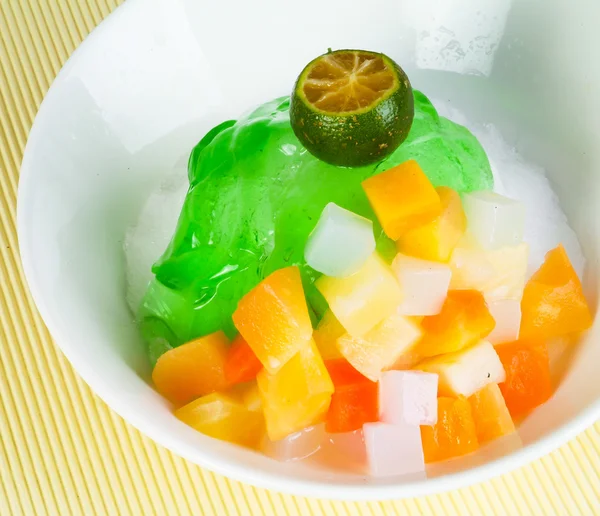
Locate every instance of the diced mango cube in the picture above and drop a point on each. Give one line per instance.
(192, 369)
(382, 347)
(528, 382)
(296, 446)
(493, 219)
(453, 435)
(465, 372)
(491, 416)
(354, 401)
(328, 331)
(224, 417)
(437, 239)
(364, 299)
(393, 449)
(463, 320)
(424, 283)
(340, 243)
(499, 274)
(507, 314)
(298, 395)
(273, 318)
(553, 303)
(402, 198)
(408, 398)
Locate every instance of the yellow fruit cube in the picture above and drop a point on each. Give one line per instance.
(467, 371)
(403, 198)
(391, 342)
(510, 269)
(224, 416)
(328, 331)
(364, 299)
(297, 396)
(490, 413)
(498, 274)
(248, 394)
(436, 240)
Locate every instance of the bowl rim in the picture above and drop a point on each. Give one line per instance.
(209, 460)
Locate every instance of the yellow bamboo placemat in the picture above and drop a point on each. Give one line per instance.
(62, 451)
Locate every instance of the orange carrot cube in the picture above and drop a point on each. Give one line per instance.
(354, 401)
(528, 382)
(241, 364)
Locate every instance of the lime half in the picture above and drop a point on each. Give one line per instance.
(352, 107)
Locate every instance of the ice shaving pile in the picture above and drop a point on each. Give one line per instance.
(391, 315)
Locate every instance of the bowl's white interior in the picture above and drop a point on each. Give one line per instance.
(146, 86)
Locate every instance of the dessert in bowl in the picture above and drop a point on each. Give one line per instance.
(77, 217)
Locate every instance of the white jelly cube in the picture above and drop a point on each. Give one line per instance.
(466, 371)
(349, 446)
(393, 449)
(408, 397)
(425, 284)
(507, 314)
(494, 220)
(340, 243)
(296, 446)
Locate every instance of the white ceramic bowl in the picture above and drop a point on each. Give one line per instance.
(147, 84)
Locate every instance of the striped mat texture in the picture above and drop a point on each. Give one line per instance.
(62, 451)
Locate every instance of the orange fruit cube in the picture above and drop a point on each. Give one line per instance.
(553, 303)
(273, 318)
(403, 198)
(224, 416)
(193, 369)
(453, 435)
(490, 413)
(354, 401)
(298, 395)
(328, 331)
(437, 239)
(528, 381)
(464, 320)
(241, 364)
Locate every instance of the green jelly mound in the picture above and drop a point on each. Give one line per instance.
(256, 194)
